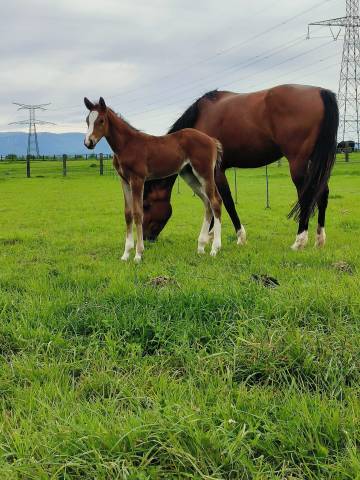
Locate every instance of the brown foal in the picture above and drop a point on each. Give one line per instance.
(140, 157)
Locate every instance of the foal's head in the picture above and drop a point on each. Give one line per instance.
(97, 121)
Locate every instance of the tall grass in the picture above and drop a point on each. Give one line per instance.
(210, 376)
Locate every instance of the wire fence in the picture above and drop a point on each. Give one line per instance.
(100, 165)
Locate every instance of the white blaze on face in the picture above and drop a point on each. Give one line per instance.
(92, 117)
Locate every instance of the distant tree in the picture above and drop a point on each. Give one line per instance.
(11, 156)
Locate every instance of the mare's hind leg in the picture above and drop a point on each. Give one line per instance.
(129, 241)
(302, 236)
(322, 205)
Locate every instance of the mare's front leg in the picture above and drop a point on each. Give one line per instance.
(137, 191)
(129, 240)
(225, 192)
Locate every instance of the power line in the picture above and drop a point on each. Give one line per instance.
(221, 52)
(232, 82)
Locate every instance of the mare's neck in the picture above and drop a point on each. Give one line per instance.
(120, 133)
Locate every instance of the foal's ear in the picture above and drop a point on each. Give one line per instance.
(102, 104)
(89, 105)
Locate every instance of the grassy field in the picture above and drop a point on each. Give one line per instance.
(106, 374)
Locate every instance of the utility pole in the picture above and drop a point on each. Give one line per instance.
(32, 144)
(349, 83)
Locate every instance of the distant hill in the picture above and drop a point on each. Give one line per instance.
(49, 144)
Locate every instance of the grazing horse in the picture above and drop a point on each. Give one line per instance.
(256, 129)
(139, 157)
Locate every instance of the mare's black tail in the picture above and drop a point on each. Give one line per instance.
(322, 159)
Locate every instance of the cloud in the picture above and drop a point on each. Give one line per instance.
(150, 60)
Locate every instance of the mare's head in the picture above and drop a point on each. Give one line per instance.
(157, 206)
(97, 122)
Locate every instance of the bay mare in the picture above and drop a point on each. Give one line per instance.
(139, 157)
(256, 129)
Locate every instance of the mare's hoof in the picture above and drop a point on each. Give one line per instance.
(320, 238)
(241, 236)
(300, 241)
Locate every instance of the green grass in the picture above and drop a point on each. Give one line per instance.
(104, 376)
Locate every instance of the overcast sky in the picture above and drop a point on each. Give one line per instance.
(151, 59)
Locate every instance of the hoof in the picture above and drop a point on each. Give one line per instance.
(214, 250)
(201, 250)
(125, 257)
(137, 258)
(241, 236)
(300, 241)
(320, 238)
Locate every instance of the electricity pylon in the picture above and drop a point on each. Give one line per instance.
(32, 144)
(349, 83)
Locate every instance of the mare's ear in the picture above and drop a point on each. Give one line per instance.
(102, 104)
(89, 105)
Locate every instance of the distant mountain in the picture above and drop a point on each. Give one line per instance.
(49, 144)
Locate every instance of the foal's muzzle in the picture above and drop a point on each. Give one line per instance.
(89, 144)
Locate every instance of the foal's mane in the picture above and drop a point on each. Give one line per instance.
(123, 120)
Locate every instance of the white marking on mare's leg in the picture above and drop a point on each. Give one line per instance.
(301, 241)
(241, 236)
(216, 245)
(92, 117)
(320, 237)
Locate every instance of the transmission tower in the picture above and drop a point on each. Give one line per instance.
(349, 83)
(32, 144)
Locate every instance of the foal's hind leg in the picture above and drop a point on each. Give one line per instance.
(208, 187)
(215, 203)
(189, 177)
(129, 242)
(322, 205)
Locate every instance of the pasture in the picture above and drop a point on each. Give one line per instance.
(182, 366)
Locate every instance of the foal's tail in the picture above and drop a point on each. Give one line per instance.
(322, 159)
(220, 152)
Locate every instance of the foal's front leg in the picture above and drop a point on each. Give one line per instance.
(129, 241)
(137, 191)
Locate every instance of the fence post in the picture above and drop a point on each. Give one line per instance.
(28, 166)
(236, 192)
(64, 164)
(101, 164)
(267, 187)
(347, 151)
